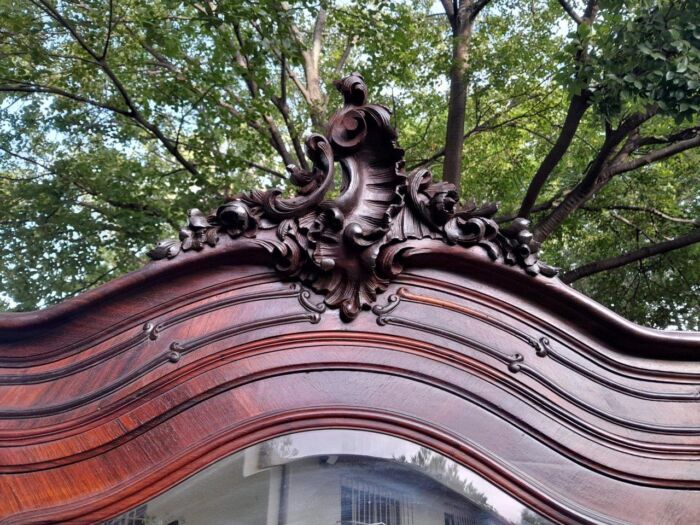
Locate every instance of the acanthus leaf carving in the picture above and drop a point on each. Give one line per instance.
(348, 248)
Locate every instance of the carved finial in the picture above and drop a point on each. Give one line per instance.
(353, 88)
(348, 247)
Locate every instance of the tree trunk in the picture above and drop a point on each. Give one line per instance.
(454, 139)
(312, 71)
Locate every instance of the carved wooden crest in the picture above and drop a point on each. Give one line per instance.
(348, 248)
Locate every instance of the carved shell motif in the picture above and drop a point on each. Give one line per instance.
(345, 247)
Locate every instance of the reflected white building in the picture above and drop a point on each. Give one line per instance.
(333, 477)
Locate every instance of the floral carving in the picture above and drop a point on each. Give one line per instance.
(347, 248)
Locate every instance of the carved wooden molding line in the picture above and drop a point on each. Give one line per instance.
(516, 363)
(577, 344)
(356, 365)
(323, 362)
(311, 313)
(348, 248)
(542, 345)
(304, 418)
(151, 331)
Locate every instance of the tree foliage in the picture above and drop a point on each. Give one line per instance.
(116, 116)
(449, 474)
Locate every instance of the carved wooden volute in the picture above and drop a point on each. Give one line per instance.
(346, 248)
(347, 233)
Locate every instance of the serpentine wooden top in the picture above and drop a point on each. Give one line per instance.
(389, 308)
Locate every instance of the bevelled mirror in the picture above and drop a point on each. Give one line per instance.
(333, 477)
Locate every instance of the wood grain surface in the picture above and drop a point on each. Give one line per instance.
(110, 398)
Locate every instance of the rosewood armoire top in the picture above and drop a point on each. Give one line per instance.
(382, 306)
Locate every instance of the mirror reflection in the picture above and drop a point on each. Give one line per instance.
(333, 477)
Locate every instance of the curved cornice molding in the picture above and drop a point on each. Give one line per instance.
(351, 247)
(551, 294)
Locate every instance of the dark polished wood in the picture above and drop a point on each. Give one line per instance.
(567, 407)
(113, 397)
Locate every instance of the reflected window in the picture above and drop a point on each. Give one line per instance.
(362, 502)
(459, 519)
(136, 516)
(333, 477)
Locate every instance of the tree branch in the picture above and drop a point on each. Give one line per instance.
(29, 160)
(630, 257)
(283, 107)
(683, 134)
(543, 206)
(275, 136)
(312, 71)
(477, 7)
(489, 125)
(317, 38)
(571, 11)
(300, 86)
(300, 43)
(651, 211)
(134, 111)
(244, 62)
(441, 152)
(105, 48)
(266, 170)
(90, 284)
(449, 8)
(577, 108)
(632, 225)
(655, 156)
(531, 131)
(115, 203)
(265, 131)
(596, 175)
(283, 77)
(591, 10)
(346, 54)
(24, 87)
(462, 24)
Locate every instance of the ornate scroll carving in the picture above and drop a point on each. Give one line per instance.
(345, 247)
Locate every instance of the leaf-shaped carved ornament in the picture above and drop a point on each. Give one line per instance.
(348, 248)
